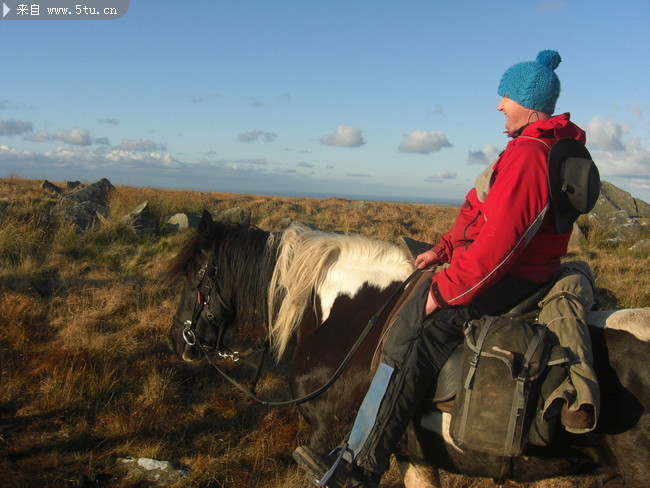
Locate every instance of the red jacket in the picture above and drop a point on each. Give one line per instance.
(511, 231)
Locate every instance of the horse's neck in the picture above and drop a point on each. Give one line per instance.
(247, 259)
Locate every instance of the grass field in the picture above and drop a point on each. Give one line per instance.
(85, 373)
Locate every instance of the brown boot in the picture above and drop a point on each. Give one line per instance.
(583, 418)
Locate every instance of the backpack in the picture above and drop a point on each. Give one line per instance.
(504, 361)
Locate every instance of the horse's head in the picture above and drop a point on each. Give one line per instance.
(204, 313)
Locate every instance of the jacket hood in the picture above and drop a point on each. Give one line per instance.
(557, 127)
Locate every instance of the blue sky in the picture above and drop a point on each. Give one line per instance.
(380, 98)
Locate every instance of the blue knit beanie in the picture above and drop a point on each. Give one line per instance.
(533, 84)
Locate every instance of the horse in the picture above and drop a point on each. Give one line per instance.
(315, 292)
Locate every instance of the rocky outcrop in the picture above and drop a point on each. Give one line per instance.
(182, 221)
(141, 220)
(154, 471)
(84, 206)
(97, 192)
(623, 217)
(51, 187)
(187, 220)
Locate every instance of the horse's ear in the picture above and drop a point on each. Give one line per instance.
(246, 220)
(206, 230)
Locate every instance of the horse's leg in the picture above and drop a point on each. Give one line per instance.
(624, 420)
(416, 473)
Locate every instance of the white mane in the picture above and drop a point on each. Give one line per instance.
(313, 263)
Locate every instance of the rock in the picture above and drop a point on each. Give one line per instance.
(72, 185)
(82, 215)
(625, 219)
(97, 192)
(232, 215)
(84, 206)
(577, 236)
(643, 208)
(141, 220)
(158, 473)
(182, 221)
(51, 187)
(618, 198)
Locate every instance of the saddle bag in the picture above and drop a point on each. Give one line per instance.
(504, 360)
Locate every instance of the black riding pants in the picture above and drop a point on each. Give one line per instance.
(412, 355)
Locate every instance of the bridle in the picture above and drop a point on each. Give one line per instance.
(204, 300)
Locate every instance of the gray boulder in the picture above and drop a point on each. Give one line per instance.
(182, 221)
(81, 215)
(577, 236)
(84, 206)
(613, 199)
(624, 218)
(97, 192)
(155, 472)
(231, 215)
(141, 220)
(51, 187)
(72, 185)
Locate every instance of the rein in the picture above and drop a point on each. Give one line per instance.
(188, 332)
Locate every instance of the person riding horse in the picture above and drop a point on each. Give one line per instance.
(503, 246)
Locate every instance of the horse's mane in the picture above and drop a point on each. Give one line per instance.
(307, 259)
(276, 276)
(179, 265)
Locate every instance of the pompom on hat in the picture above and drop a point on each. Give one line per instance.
(533, 84)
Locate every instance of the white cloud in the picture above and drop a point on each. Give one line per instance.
(484, 156)
(76, 136)
(83, 158)
(624, 161)
(632, 162)
(441, 175)
(40, 136)
(424, 142)
(9, 154)
(605, 134)
(14, 127)
(345, 136)
(139, 145)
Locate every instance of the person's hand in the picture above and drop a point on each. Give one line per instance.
(426, 260)
(431, 305)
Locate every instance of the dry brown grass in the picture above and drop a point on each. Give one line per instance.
(85, 373)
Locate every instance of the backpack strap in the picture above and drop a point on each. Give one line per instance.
(469, 380)
(519, 398)
(548, 146)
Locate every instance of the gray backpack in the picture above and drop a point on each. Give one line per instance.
(504, 360)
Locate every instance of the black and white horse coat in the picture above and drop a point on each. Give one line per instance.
(316, 292)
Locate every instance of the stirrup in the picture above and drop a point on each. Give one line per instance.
(326, 477)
